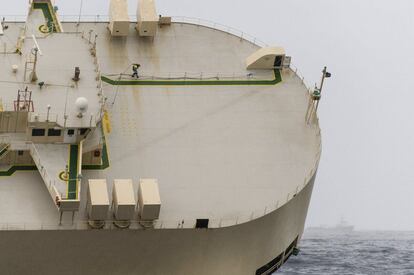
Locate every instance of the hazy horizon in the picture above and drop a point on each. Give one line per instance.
(365, 174)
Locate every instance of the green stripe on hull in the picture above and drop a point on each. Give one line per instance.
(276, 80)
(15, 168)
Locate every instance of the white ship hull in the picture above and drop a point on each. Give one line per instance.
(241, 249)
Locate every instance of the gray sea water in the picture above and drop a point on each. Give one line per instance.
(390, 253)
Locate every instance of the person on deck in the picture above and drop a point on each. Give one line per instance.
(135, 68)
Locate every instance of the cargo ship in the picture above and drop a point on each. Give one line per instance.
(149, 144)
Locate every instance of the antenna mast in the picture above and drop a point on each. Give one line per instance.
(80, 12)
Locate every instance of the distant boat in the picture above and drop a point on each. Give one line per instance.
(342, 227)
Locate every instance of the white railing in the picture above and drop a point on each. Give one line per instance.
(300, 75)
(189, 76)
(49, 182)
(43, 117)
(218, 26)
(12, 143)
(91, 38)
(14, 18)
(5, 139)
(175, 19)
(54, 118)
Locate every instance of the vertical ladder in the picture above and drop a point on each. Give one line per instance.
(30, 65)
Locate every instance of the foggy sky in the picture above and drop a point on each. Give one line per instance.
(366, 172)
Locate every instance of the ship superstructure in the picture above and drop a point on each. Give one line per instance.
(176, 148)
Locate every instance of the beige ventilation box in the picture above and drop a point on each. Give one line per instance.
(98, 200)
(149, 201)
(147, 24)
(123, 200)
(118, 18)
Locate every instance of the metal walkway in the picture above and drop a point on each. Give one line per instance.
(59, 166)
(72, 193)
(191, 82)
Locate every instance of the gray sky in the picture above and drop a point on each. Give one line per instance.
(366, 173)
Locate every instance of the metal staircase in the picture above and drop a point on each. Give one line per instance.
(4, 149)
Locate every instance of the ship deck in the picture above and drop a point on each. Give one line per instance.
(55, 71)
(228, 152)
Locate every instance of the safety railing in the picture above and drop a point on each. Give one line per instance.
(175, 19)
(43, 117)
(62, 122)
(48, 180)
(218, 26)
(300, 76)
(91, 39)
(15, 18)
(5, 139)
(214, 76)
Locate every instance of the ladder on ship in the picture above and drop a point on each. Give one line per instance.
(30, 65)
(4, 149)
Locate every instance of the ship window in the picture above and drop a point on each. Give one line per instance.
(270, 267)
(38, 132)
(83, 131)
(202, 223)
(97, 153)
(71, 132)
(20, 153)
(54, 132)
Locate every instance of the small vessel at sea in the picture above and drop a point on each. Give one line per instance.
(343, 227)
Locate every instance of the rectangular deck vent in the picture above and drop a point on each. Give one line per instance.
(118, 18)
(149, 201)
(202, 223)
(147, 18)
(97, 200)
